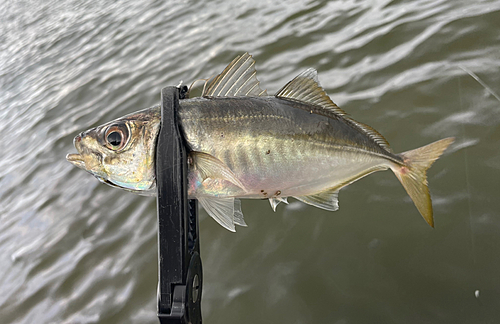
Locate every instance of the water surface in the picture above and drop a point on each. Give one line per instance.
(75, 251)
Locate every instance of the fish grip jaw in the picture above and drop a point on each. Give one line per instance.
(179, 264)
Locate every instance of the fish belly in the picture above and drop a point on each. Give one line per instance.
(300, 169)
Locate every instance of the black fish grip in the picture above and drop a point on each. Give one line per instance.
(179, 264)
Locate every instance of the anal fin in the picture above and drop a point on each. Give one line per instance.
(327, 199)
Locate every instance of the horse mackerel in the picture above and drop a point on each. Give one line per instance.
(246, 144)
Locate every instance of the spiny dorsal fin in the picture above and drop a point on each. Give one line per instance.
(374, 135)
(305, 87)
(239, 78)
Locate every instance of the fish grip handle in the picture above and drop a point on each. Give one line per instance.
(179, 264)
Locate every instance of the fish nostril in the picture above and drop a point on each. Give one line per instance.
(78, 138)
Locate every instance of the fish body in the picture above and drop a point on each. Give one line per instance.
(276, 147)
(245, 144)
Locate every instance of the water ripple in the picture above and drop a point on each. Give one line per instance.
(75, 251)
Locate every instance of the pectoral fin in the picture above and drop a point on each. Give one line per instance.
(327, 199)
(210, 167)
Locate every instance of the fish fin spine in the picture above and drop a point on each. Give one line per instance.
(274, 201)
(413, 174)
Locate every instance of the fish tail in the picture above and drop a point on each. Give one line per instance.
(413, 174)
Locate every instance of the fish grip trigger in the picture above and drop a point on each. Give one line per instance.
(179, 264)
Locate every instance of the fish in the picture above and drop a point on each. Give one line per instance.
(244, 143)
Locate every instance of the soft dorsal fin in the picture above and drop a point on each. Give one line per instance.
(372, 133)
(239, 78)
(305, 87)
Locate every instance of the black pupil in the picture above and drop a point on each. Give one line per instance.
(115, 138)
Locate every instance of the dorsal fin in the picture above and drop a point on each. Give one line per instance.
(372, 133)
(239, 78)
(305, 87)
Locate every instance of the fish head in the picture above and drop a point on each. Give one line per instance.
(121, 153)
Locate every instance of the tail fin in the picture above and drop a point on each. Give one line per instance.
(413, 175)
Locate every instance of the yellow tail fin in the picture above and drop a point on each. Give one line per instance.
(413, 175)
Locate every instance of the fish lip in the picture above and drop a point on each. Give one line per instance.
(77, 160)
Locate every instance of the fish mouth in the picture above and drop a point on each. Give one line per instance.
(76, 160)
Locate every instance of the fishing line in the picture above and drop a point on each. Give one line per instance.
(467, 181)
(475, 77)
(490, 91)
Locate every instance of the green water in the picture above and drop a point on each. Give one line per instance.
(75, 251)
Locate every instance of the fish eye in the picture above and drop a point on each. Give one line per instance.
(116, 137)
